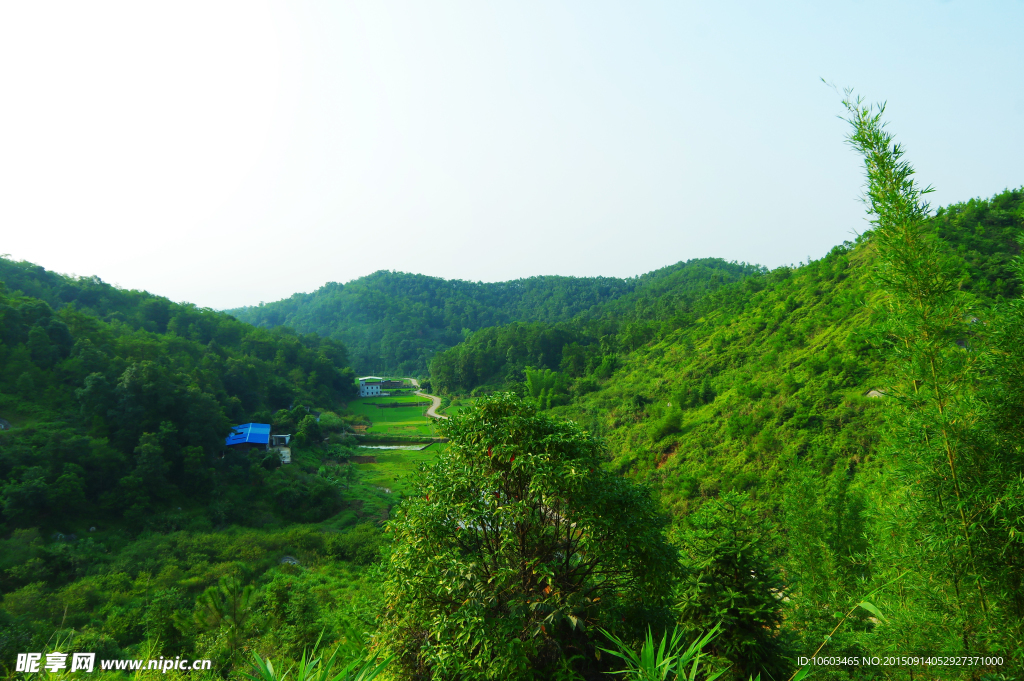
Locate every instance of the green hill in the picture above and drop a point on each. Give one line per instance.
(770, 312)
(776, 371)
(127, 412)
(720, 391)
(780, 394)
(395, 322)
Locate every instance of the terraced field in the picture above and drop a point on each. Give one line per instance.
(408, 419)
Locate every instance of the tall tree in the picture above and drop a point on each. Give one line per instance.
(955, 518)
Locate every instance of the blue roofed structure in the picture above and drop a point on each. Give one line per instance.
(249, 434)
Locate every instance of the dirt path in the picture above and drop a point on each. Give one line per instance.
(435, 401)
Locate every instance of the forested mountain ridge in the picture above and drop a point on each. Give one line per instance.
(589, 343)
(395, 321)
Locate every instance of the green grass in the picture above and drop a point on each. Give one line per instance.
(393, 398)
(402, 392)
(395, 469)
(461, 405)
(401, 421)
(380, 485)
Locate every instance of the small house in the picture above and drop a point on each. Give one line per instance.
(369, 386)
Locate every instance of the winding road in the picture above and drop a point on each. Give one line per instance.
(435, 400)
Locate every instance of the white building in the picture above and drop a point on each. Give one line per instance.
(369, 386)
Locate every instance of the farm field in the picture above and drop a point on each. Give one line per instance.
(403, 420)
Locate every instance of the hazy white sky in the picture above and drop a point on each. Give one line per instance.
(227, 153)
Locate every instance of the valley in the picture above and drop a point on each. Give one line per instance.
(744, 414)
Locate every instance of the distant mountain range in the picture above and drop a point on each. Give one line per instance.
(394, 322)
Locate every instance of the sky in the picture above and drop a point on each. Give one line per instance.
(228, 153)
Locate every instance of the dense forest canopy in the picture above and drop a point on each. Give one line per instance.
(395, 322)
(122, 399)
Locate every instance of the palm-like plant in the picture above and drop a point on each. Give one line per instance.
(662, 660)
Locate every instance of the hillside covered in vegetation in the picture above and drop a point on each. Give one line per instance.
(394, 322)
(778, 403)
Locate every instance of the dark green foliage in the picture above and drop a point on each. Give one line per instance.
(225, 606)
(984, 234)
(660, 301)
(308, 431)
(548, 388)
(503, 354)
(193, 594)
(395, 321)
(360, 545)
(123, 421)
(306, 498)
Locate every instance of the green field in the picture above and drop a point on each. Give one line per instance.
(405, 420)
(376, 487)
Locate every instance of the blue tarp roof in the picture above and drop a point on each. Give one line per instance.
(249, 433)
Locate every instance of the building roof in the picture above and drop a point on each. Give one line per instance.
(249, 433)
(371, 378)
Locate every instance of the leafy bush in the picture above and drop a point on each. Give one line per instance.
(519, 544)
